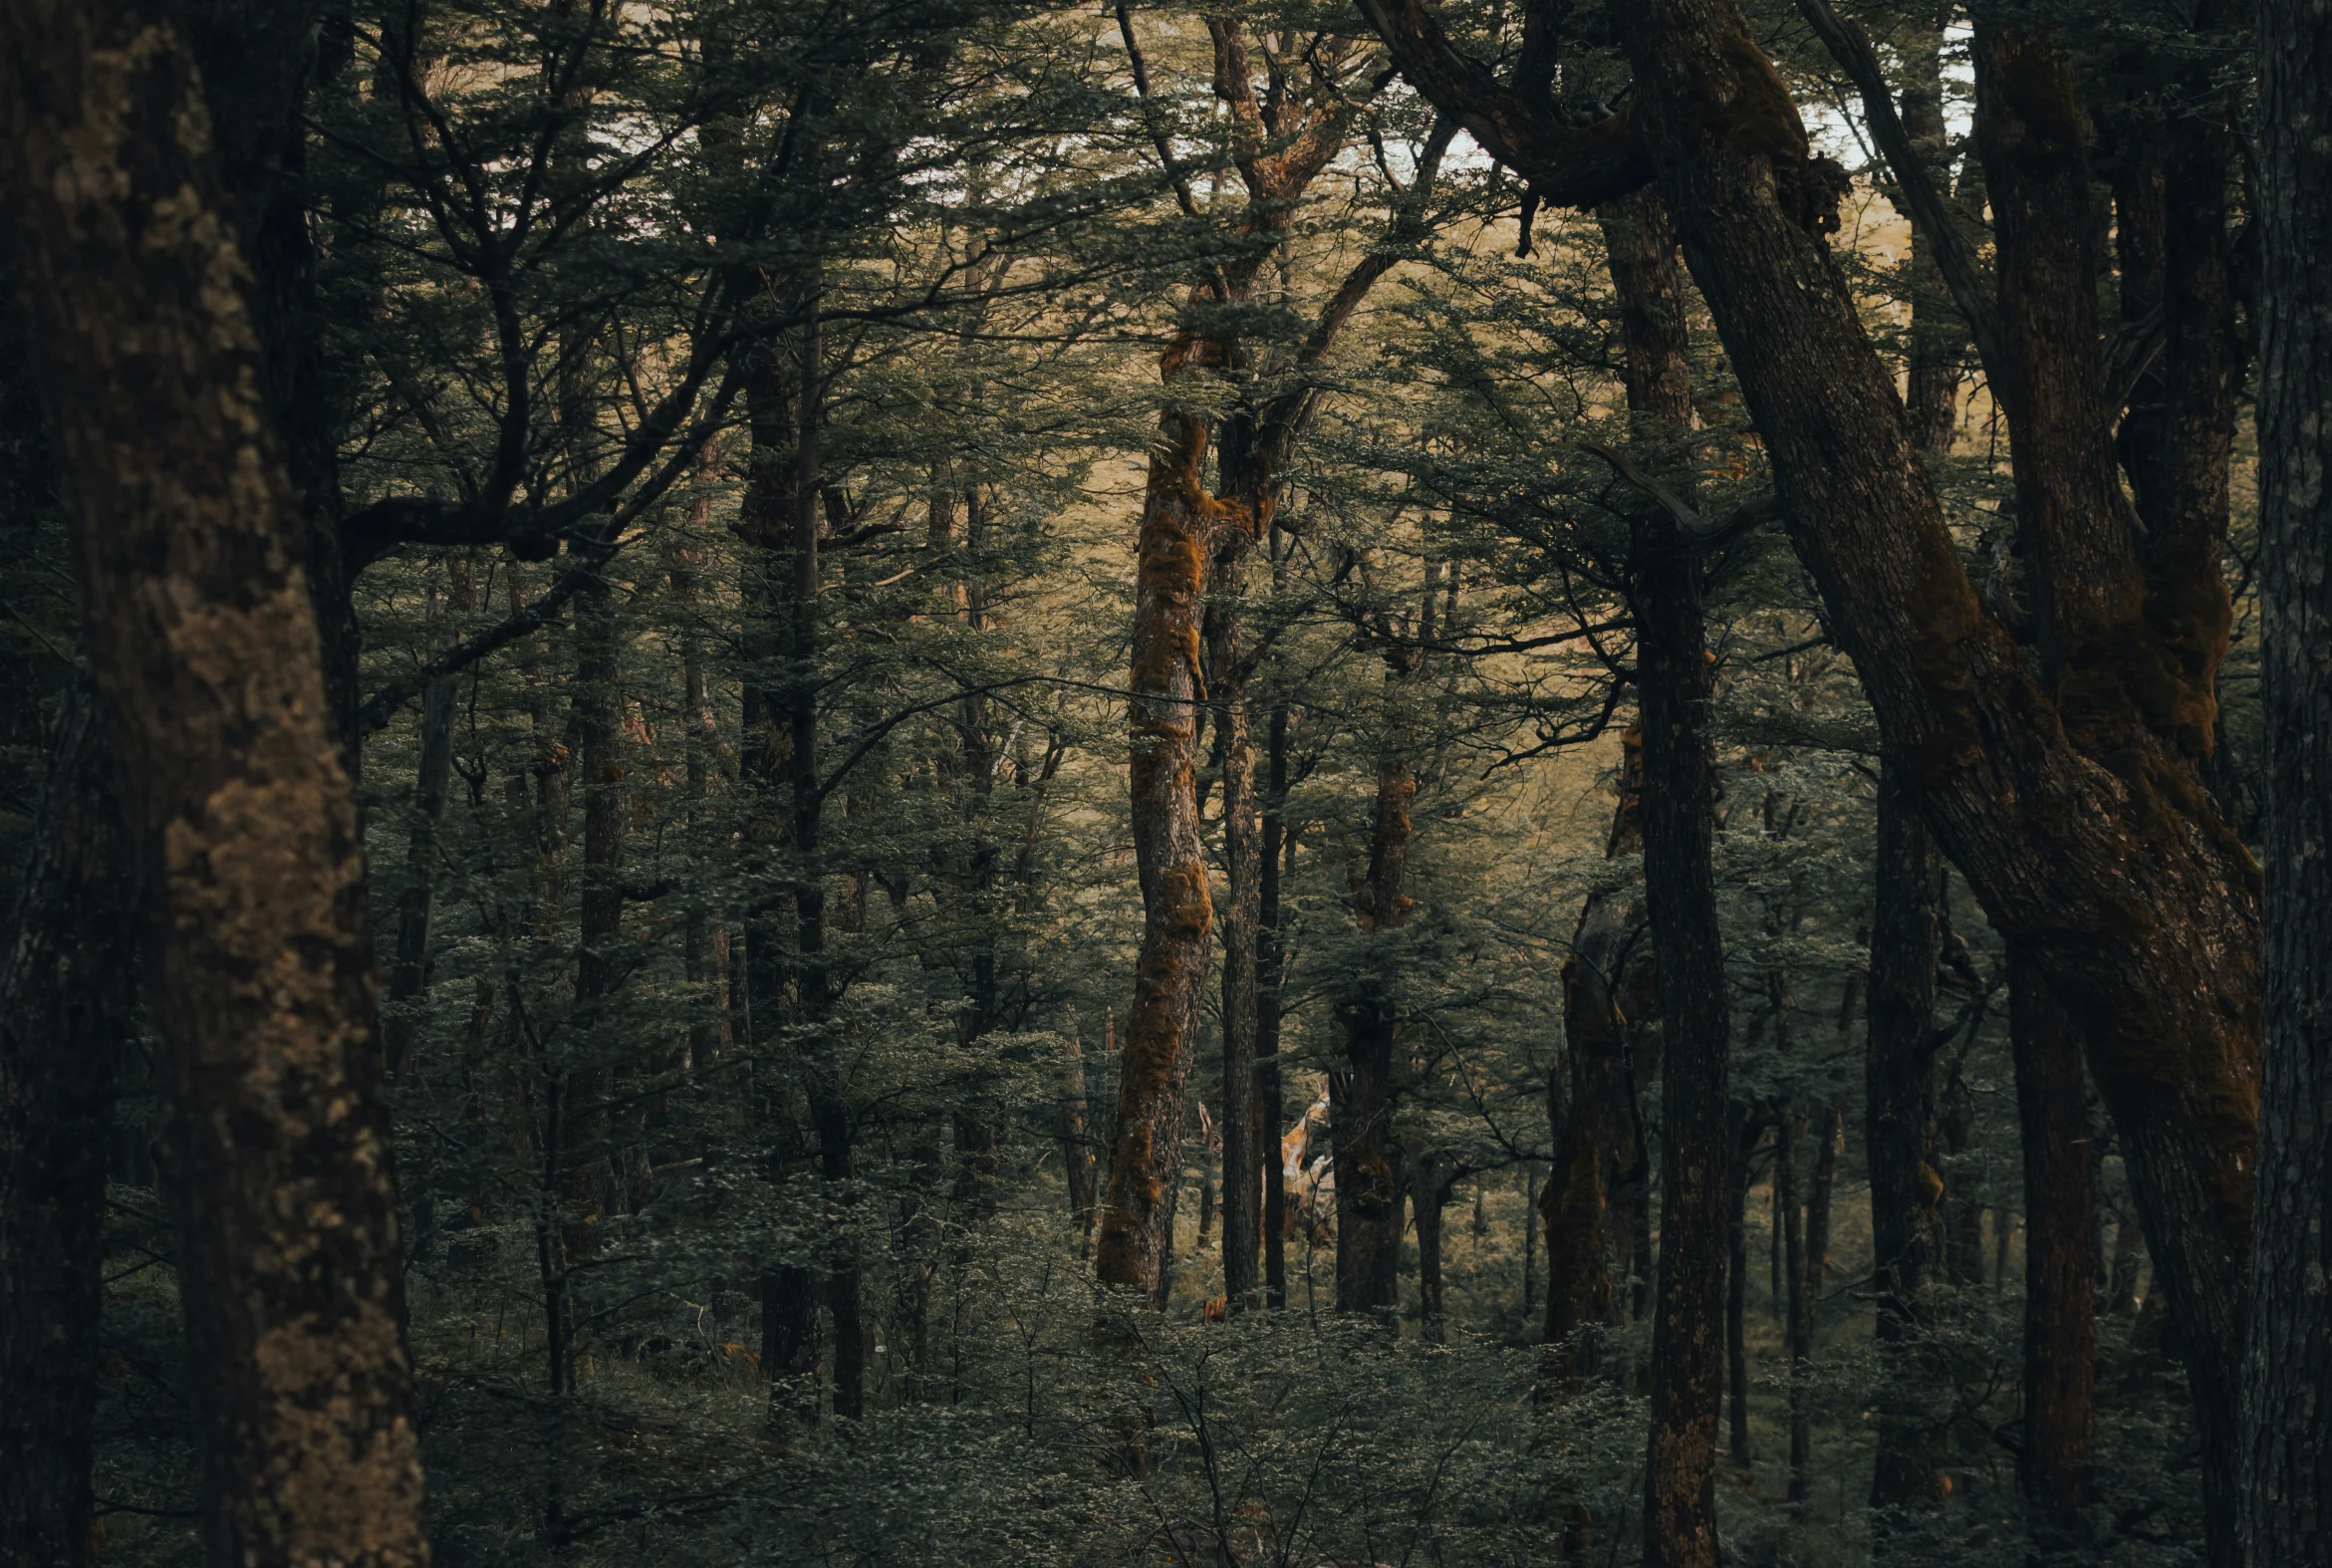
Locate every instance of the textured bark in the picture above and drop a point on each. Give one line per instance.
(2286, 1504)
(2060, 1281)
(408, 969)
(1244, 1132)
(1368, 1178)
(203, 641)
(64, 1024)
(1809, 1248)
(1674, 682)
(1749, 1128)
(1938, 338)
(1076, 1152)
(700, 939)
(1674, 678)
(1277, 851)
(1179, 520)
(1599, 1145)
(1900, 1122)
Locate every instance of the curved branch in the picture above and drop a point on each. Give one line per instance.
(1566, 166)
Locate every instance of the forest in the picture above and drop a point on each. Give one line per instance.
(1260, 784)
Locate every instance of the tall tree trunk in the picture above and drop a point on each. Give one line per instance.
(1688, 1350)
(1242, 1128)
(64, 1024)
(1276, 854)
(2060, 1294)
(203, 639)
(1368, 1179)
(1075, 1155)
(1179, 520)
(1806, 1275)
(1674, 684)
(1430, 1179)
(1900, 1125)
(1597, 1139)
(2287, 1393)
(1797, 1311)
(700, 942)
(1747, 1128)
(408, 971)
(814, 985)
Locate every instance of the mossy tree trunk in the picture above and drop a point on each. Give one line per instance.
(202, 637)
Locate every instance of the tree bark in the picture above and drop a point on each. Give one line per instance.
(1900, 1125)
(1243, 1133)
(1277, 852)
(1179, 520)
(64, 1024)
(203, 639)
(2060, 1217)
(1607, 993)
(1368, 1179)
(408, 971)
(1687, 1352)
(1747, 1130)
(2286, 1503)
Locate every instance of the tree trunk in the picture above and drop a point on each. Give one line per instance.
(1687, 1352)
(700, 939)
(1242, 1128)
(1900, 1125)
(1277, 854)
(1075, 1155)
(1747, 1128)
(1368, 1182)
(203, 639)
(1797, 1311)
(1167, 693)
(1807, 1270)
(1597, 1145)
(1673, 674)
(64, 1024)
(2060, 1214)
(408, 971)
(2288, 1396)
(1430, 1180)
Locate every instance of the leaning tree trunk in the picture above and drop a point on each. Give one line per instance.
(64, 1024)
(203, 641)
(2287, 1393)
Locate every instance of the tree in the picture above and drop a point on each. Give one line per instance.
(2284, 1438)
(203, 639)
(2070, 797)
